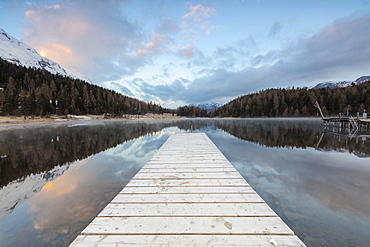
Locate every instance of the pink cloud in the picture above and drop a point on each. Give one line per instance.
(94, 38)
(154, 46)
(199, 12)
(167, 102)
(190, 51)
(200, 16)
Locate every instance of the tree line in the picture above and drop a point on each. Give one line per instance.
(191, 111)
(29, 91)
(298, 102)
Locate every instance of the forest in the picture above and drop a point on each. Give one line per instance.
(28, 91)
(191, 111)
(299, 102)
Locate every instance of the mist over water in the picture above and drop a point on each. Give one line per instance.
(54, 181)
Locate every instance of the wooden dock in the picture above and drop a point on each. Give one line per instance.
(188, 194)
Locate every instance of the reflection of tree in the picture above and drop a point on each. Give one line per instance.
(276, 133)
(283, 133)
(39, 150)
(33, 151)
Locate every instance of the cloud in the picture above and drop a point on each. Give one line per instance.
(200, 14)
(275, 29)
(190, 51)
(120, 88)
(155, 46)
(99, 37)
(336, 50)
(167, 26)
(101, 40)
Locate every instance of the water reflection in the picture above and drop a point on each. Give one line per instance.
(64, 206)
(32, 158)
(56, 180)
(323, 196)
(26, 151)
(289, 133)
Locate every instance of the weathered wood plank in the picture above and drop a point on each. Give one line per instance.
(187, 194)
(188, 209)
(173, 164)
(189, 182)
(188, 225)
(187, 190)
(186, 240)
(183, 198)
(159, 169)
(183, 175)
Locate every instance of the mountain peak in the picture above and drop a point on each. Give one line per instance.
(18, 52)
(334, 84)
(207, 106)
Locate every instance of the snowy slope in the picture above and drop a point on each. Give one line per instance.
(17, 52)
(207, 106)
(332, 84)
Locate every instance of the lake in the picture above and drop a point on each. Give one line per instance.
(54, 180)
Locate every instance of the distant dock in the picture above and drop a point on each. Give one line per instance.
(349, 122)
(342, 121)
(188, 194)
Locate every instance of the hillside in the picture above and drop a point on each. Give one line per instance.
(299, 102)
(331, 84)
(30, 91)
(19, 53)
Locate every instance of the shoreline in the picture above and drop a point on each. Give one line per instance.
(20, 122)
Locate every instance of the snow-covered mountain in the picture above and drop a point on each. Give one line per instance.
(17, 52)
(207, 106)
(333, 84)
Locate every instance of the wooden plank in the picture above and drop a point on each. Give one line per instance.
(187, 194)
(189, 182)
(186, 240)
(188, 209)
(193, 169)
(188, 225)
(187, 190)
(183, 198)
(172, 165)
(183, 175)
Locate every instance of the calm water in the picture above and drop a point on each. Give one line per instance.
(54, 181)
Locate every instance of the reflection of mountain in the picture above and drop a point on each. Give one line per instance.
(26, 152)
(32, 158)
(20, 190)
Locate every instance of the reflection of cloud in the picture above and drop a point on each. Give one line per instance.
(67, 204)
(324, 177)
(58, 189)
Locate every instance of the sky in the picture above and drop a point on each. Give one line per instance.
(189, 52)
